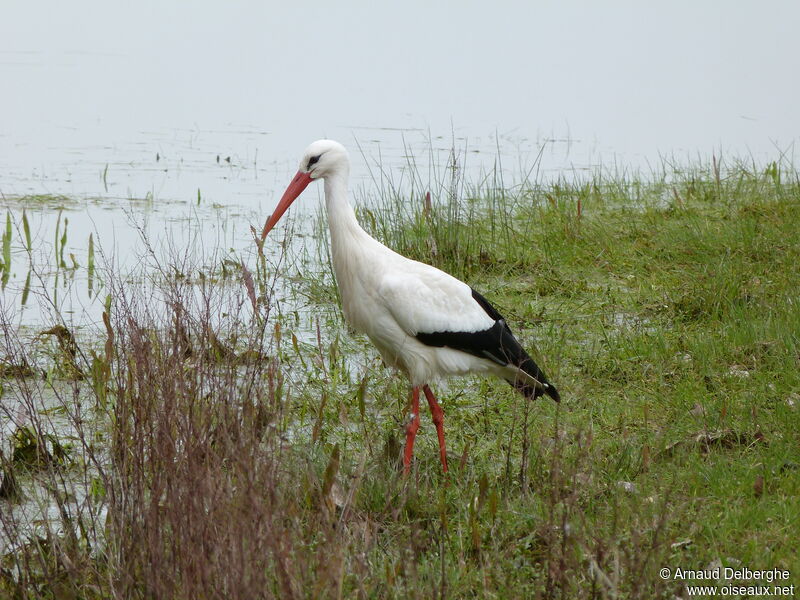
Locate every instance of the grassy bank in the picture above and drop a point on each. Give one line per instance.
(245, 451)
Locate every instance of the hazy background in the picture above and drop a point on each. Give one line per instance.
(87, 85)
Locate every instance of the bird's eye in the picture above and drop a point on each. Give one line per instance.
(313, 160)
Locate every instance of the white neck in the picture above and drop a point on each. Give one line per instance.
(359, 260)
(348, 238)
(341, 216)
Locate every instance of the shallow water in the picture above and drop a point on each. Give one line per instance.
(187, 124)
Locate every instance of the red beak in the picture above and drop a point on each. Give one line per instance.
(299, 183)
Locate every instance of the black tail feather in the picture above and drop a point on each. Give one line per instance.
(498, 345)
(530, 390)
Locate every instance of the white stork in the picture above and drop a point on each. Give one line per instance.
(424, 322)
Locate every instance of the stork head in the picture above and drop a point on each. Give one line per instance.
(321, 159)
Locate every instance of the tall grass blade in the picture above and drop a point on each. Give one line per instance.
(63, 244)
(27, 229)
(57, 239)
(7, 241)
(7, 250)
(27, 289)
(90, 260)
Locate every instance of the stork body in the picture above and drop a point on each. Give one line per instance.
(424, 322)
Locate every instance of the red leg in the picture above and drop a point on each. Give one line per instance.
(438, 419)
(411, 430)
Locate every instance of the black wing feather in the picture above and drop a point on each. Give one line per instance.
(497, 344)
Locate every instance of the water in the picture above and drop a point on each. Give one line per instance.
(186, 122)
(91, 84)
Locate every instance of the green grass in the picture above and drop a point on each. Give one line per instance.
(667, 313)
(665, 309)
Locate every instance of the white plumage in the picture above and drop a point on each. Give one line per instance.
(423, 321)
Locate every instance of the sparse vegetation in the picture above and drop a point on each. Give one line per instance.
(227, 438)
